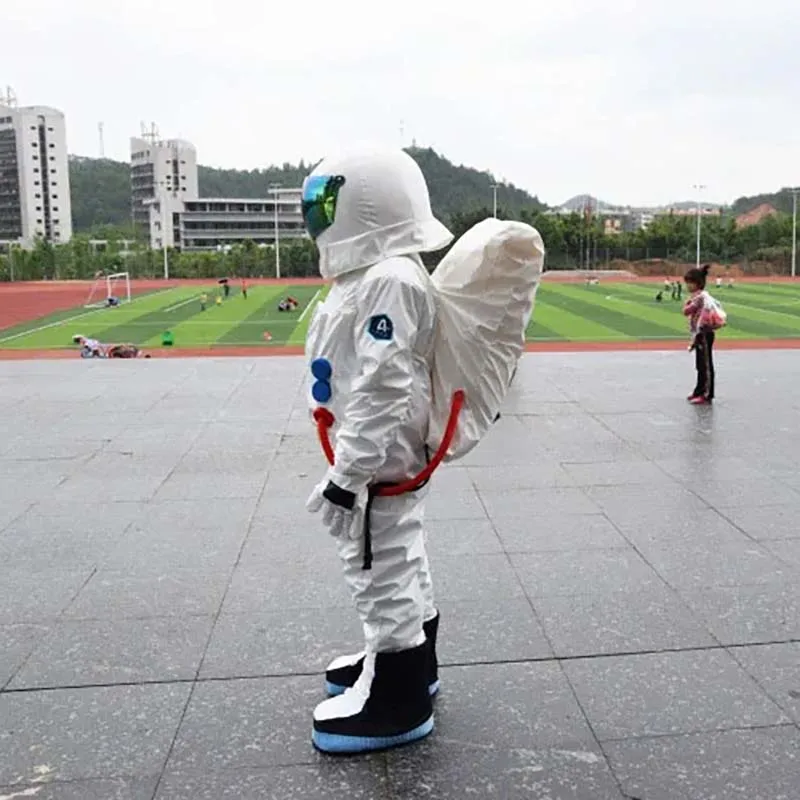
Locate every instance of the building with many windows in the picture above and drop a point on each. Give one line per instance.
(164, 172)
(166, 202)
(34, 176)
(210, 223)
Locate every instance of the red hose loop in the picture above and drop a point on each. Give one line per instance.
(325, 420)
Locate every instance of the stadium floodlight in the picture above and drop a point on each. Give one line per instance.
(117, 285)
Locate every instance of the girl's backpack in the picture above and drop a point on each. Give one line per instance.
(713, 315)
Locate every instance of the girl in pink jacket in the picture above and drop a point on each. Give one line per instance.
(705, 317)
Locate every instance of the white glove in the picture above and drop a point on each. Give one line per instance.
(342, 511)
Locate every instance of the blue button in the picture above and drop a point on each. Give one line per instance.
(321, 391)
(321, 369)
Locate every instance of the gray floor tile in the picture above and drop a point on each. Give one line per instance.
(88, 733)
(169, 516)
(289, 539)
(540, 475)
(461, 537)
(261, 587)
(748, 614)
(111, 488)
(474, 578)
(734, 765)
(281, 642)
(171, 592)
(744, 564)
(448, 768)
(509, 706)
(623, 473)
(326, 779)
(149, 551)
(17, 642)
(618, 501)
(108, 789)
(787, 550)
(669, 693)
(584, 571)
(532, 532)
(623, 622)
(544, 502)
(446, 505)
(241, 724)
(96, 652)
(37, 596)
(776, 667)
(675, 530)
(498, 629)
(751, 493)
(225, 487)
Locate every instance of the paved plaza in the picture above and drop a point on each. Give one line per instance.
(618, 575)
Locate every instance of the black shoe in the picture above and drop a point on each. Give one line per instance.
(343, 672)
(388, 706)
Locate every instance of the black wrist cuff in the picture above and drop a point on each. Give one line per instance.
(339, 497)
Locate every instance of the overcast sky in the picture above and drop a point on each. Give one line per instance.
(631, 101)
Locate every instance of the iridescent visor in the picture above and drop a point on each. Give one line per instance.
(319, 202)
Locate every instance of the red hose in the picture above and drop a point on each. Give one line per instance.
(325, 420)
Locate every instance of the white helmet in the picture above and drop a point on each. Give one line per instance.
(369, 206)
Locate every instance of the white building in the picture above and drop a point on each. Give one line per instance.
(165, 201)
(162, 172)
(210, 223)
(34, 176)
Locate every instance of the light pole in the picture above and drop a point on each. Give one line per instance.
(273, 187)
(699, 188)
(494, 200)
(795, 191)
(162, 202)
(164, 236)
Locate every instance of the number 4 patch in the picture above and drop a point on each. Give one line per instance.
(381, 328)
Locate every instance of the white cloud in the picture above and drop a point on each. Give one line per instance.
(630, 100)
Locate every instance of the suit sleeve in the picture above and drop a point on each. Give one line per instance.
(391, 312)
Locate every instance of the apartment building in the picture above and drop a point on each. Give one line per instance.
(34, 176)
(162, 172)
(165, 202)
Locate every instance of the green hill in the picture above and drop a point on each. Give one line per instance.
(781, 200)
(101, 187)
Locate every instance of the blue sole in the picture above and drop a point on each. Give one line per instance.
(334, 689)
(338, 743)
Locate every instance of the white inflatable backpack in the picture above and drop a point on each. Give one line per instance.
(486, 287)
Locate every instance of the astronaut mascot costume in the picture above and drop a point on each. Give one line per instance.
(385, 353)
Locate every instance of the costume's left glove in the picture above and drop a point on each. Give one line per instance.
(342, 510)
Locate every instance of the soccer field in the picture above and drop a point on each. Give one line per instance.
(236, 321)
(618, 312)
(608, 312)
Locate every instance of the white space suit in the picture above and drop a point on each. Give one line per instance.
(370, 345)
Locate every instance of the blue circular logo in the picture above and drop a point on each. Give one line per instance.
(321, 391)
(321, 369)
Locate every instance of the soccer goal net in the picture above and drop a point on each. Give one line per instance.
(109, 290)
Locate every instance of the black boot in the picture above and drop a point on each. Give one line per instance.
(388, 706)
(343, 672)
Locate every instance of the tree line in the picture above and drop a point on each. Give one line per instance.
(573, 241)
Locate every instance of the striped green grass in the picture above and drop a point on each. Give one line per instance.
(564, 312)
